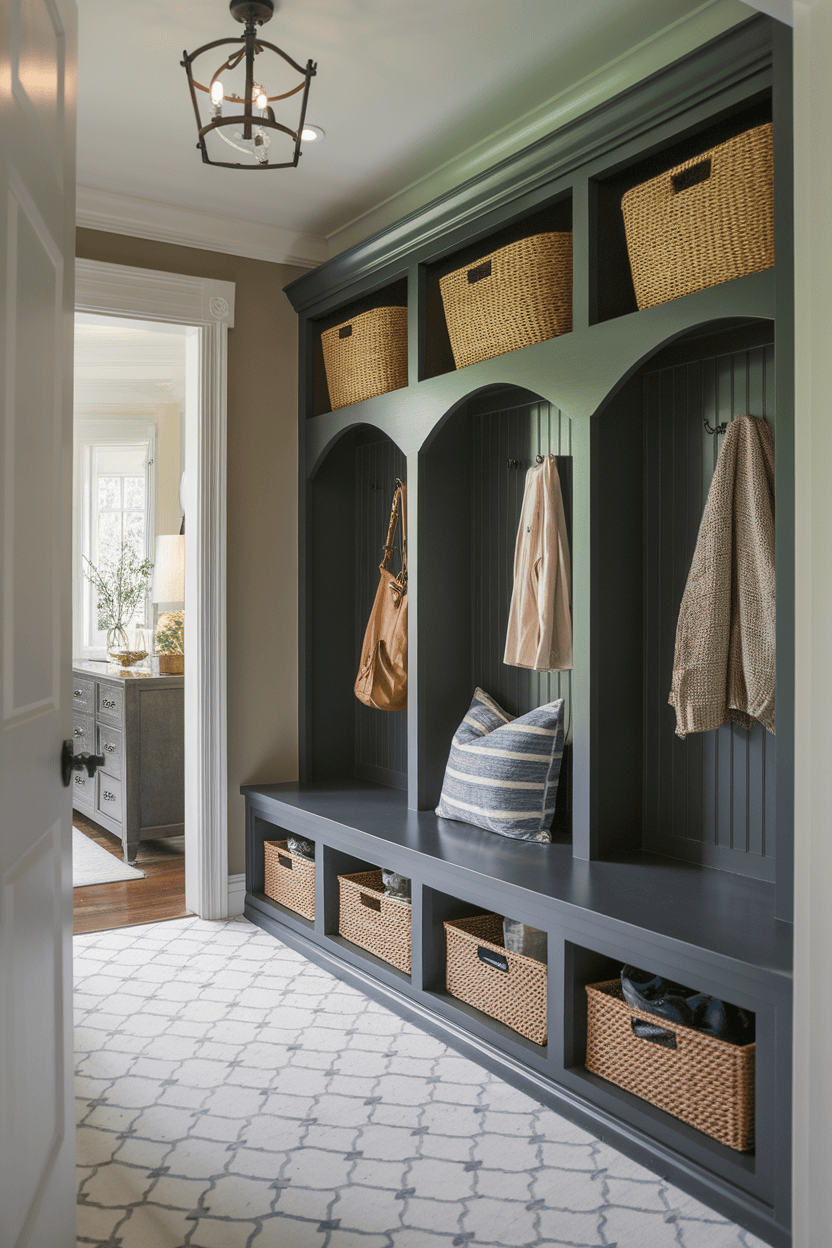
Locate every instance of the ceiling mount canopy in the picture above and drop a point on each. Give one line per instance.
(233, 100)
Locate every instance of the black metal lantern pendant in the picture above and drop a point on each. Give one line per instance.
(238, 102)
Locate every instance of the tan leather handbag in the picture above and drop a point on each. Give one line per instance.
(382, 675)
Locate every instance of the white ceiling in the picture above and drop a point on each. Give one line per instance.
(404, 88)
(127, 368)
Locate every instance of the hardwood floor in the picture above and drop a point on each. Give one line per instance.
(160, 895)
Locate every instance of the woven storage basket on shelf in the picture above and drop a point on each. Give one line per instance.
(518, 295)
(366, 356)
(290, 879)
(374, 921)
(705, 222)
(515, 995)
(706, 1082)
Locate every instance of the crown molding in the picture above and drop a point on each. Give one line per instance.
(708, 20)
(189, 227)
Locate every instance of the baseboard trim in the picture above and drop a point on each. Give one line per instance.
(236, 895)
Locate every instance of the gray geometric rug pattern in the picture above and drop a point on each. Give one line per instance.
(231, 1094)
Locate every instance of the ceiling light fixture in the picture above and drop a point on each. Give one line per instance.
(312, 134)
(239, 104)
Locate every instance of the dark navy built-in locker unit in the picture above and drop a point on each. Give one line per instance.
(672, 855)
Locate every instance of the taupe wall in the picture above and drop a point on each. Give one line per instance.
(262, 508)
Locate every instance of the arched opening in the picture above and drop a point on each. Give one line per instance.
(348, 508)
(708, 798)
(471, 482)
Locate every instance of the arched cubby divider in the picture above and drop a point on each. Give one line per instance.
(348, 506)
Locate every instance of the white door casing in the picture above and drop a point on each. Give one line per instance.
(37, 229)
(208, 307)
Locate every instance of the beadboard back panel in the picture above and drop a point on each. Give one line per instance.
(504, 445)
(709, 798)
(380, 736)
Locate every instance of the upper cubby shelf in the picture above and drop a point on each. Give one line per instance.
(338, 338)
(612, 293)
(446, 344)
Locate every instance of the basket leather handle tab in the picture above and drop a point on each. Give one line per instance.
(285, 862)
(490, 958)
(479, 272)
(692, 176)
(345, 331)
(643, 1030)
(372, 903)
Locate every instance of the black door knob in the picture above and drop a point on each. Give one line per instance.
(71, 761)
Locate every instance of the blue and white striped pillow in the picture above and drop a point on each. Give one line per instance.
(502, 773)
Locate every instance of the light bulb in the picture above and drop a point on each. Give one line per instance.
(262, 100)
(217, 91)
(261, 145)
(311, 134)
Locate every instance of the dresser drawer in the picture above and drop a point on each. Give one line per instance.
(111, 745)
(83, 788)
(83, 694)
(109, 702)
(82, 734)
(108, 800)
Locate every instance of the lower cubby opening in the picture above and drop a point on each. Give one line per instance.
(493, 991)
(261, 831)
(366, 925)
(615, 1046)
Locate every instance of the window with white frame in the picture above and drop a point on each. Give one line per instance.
(114, 489)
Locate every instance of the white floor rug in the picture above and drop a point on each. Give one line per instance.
(93, 865)
(231, 1094)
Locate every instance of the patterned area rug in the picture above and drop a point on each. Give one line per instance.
(92, 864)
(233, 1095)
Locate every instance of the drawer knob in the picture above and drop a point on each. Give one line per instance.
(78, 732)
(82, 780)
(108, 796)
(110, 748)
(77, 693)
(108, 703)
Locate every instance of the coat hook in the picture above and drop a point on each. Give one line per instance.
(538, 459)
(719, 428)
(513, 463)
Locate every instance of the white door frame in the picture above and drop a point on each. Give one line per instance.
(208, 306)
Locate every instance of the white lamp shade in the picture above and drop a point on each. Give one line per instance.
(169, 569)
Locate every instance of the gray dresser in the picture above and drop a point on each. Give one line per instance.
(137, 721)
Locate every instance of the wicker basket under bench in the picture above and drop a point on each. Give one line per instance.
(290, 879)
(370, 919)
(482, 972)
(707, 1083)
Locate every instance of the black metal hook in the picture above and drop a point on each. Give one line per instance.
(719, 428)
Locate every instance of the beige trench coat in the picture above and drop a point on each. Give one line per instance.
(539, 634)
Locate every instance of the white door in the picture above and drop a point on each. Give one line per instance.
(37, 228)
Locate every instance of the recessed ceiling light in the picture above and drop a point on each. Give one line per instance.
(312, 134)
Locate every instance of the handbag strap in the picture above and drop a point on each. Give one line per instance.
(398, 507)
